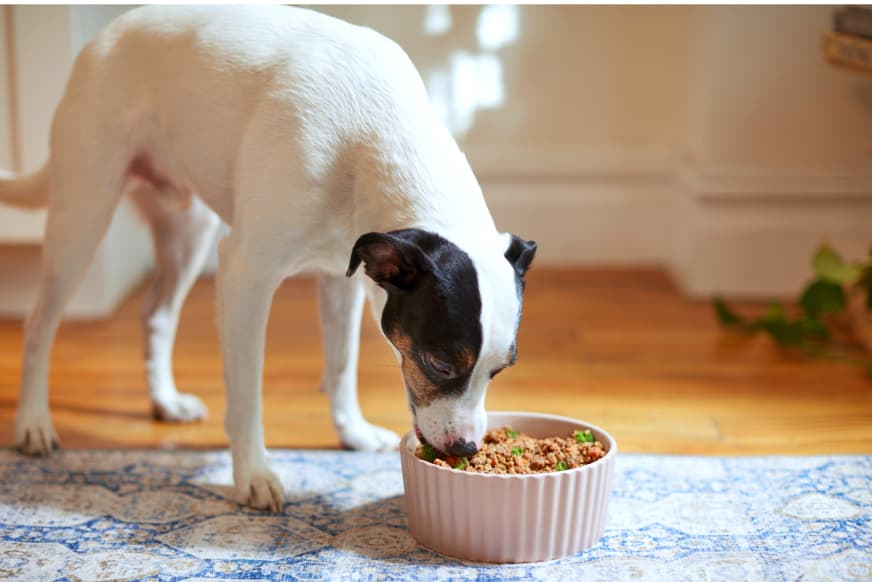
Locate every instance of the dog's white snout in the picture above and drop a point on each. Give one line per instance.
(451, 427)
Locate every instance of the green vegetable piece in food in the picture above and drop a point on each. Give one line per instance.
(428, 453)
(511, 433)
(561, 466)
(584, 436)
(462, 463)
(517, 451)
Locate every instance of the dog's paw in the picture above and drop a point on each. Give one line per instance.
(180, 408)
(261, 490)
(35, 435)
(363, 436)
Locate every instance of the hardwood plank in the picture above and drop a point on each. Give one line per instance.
(619, 347)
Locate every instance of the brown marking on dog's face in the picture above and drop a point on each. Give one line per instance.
(423, 391)
(422, 386)
(465, 360)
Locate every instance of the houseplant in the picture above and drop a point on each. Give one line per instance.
(840, 293)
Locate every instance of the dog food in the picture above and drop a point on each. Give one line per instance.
(506, 451)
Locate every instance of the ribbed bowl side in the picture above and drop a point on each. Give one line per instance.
(513, 518)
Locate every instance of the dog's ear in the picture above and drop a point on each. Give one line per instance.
(393, 262)
(520, 254)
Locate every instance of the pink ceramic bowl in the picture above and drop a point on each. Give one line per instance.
(509, 518)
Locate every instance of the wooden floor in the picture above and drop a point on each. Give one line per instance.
(620, 348)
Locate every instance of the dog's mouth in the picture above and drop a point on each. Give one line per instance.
(418, 432)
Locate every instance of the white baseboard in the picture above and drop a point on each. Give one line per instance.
(95, 298)
(587, 224)
(753, 233)
(569, 164)
(121, 262)
(582, 206)
(21, 227)
(736, 231)
(731, 231)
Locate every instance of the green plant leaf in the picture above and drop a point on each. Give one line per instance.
(866, 283)
(774, 312)
(822, 297)
(725, 315)
(828, 265)
(785, 333)
(814, 327)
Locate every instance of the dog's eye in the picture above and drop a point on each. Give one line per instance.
(440, 367)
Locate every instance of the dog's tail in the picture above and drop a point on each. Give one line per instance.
(25, 191)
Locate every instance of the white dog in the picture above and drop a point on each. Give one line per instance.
(314, 140)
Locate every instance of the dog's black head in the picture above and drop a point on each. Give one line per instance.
(452, 318)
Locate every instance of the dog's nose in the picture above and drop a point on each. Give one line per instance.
(462, 448)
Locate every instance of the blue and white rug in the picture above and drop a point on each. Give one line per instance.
(130, 515)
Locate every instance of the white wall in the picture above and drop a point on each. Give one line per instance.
(603, 76)
(768, 100)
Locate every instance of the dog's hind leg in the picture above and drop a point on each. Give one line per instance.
(182, 238)
(84, 194)
(341, 302)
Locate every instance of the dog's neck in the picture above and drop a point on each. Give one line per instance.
(421, 184)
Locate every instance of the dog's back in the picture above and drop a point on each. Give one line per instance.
(188, 84)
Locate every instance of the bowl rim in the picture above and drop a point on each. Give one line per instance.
(611, 452)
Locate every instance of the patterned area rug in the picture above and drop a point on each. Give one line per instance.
(129, 515)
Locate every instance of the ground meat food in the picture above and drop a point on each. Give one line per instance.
(506, 451)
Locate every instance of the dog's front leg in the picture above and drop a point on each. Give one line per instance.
(245, 292)
(341, 303)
